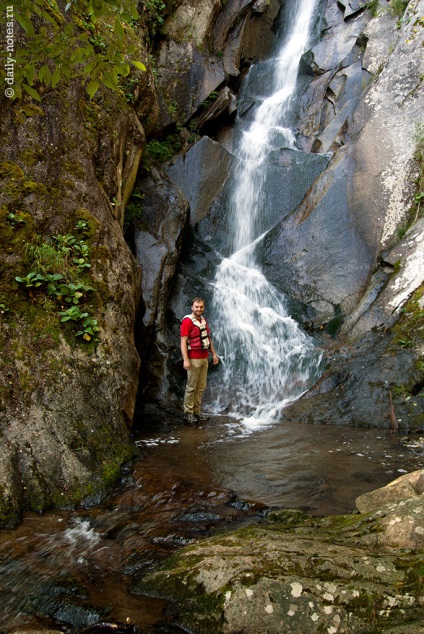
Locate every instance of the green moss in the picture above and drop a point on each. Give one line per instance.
(413, 568)
(407, 331)
(11, 170)
(112, 469)
(16, 185)
(9, 516)
(70, 497)
(31, 156)
(74, 168)
(24, 112)
(36, 491)
(91, 224)
(112, 456)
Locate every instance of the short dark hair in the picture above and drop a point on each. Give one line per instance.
(197, 299)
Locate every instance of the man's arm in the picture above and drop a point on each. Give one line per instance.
(184, 352)
(214, 355)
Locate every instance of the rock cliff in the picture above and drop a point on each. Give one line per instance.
(69, 366)
(344, 236)
(69, 166)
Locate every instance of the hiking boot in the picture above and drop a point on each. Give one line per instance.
(202, 416)
(190, 418)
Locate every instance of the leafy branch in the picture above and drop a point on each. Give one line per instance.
(92, 40)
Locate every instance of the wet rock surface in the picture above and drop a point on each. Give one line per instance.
(375, 381)
(75, 570)
(295, 574)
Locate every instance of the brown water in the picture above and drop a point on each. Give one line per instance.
(68, 570)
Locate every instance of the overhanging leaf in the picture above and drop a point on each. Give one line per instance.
(32, 92)
(138, 65)
(92, 87)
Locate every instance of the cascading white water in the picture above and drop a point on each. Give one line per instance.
(267, 360)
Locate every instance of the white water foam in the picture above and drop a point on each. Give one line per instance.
(267, 360)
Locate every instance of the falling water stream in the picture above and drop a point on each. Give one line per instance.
(267, 359)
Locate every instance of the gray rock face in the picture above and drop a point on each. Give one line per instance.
(355, 389)
(351, 213)
(201, 175)
(391, 286)
(187, 78)
(325, 251)
(158, 237)
(206, 44)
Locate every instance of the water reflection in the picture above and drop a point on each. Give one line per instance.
(65, 571)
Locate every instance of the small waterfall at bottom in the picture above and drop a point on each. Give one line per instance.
(267, 360)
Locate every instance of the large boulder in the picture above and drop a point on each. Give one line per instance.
(295, 573)
(410, 485)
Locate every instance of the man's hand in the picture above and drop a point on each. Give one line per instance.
(186, 365)
(215, 359)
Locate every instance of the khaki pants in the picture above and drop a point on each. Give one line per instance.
(196, 383)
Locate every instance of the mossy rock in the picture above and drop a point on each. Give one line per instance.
(294, 574)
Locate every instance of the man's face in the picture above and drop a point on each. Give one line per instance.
(198, 308)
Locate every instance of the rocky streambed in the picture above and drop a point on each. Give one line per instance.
(216, 525)
(295, 573)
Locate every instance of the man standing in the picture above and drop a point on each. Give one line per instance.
(195, 347)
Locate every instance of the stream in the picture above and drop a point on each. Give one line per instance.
(68, 570)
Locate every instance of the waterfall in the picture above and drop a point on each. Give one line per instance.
(267, 360)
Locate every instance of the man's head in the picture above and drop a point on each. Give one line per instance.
(197, 306)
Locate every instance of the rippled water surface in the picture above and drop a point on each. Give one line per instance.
(320, 469)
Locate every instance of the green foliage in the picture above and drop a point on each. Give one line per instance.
(152, 14)
(70, 293)
(134, 208)
(55, 267)
(45, 258)
(417, 207)
(16, 219)
(73, 314)
(398, 7)
(89, 325)
(89, 39)
(419, 159)
(161, 151)
(89, 328)
(81, 225)
(373, 7)
(31, 280)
